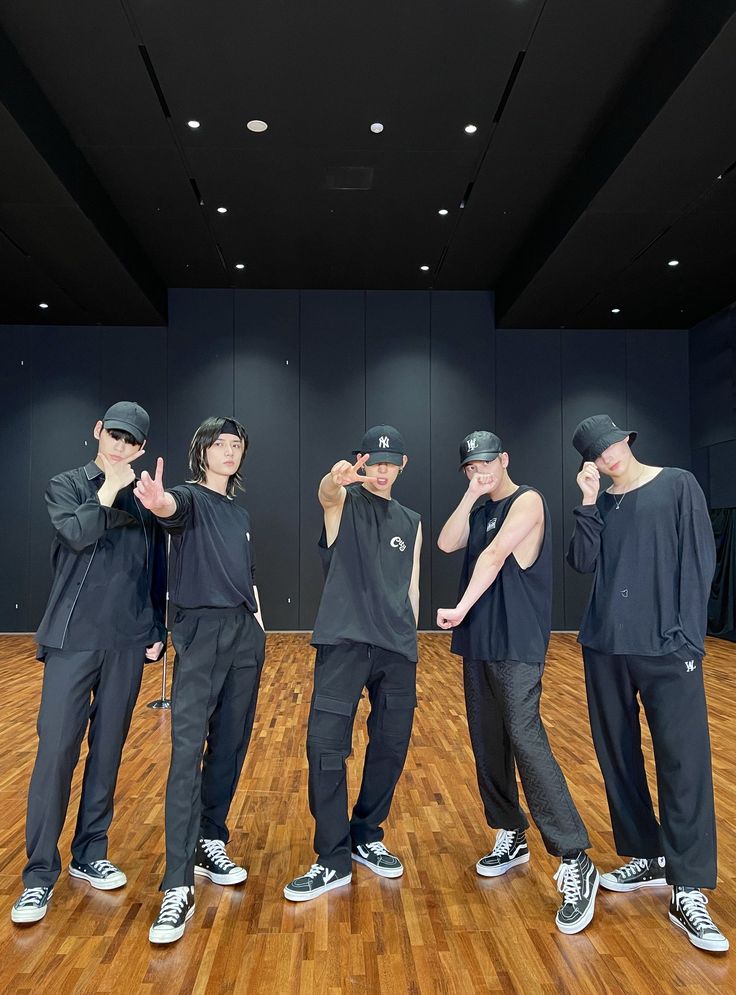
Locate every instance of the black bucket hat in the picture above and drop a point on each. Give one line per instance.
(385, 444)
(483, 446)
(595, 434)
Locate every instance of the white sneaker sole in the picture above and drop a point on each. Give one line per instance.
(611, 884)
(382, 872)
(236, 876)
(102, 884)
(714, 946)
(169, 934)
(300, 896)
(578, 927)
(496, 872)
(28, 915)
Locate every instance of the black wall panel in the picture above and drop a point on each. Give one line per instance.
(397, 361)
(462, 391)
(657, 395)
(331, 414)
(528, 420)
(593, 382)
(266, 378)
(722, 475)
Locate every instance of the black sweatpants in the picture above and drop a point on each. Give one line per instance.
(502, 702)
(217, 670)
(99, 687)
(672, 693)
(341, 672)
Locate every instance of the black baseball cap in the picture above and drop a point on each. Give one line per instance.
(480, 446)
(385, 444)
(129, 417)
(595, 434)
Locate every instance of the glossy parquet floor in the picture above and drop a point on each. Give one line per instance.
(440, 929)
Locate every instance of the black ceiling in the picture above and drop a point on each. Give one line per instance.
(605, 144)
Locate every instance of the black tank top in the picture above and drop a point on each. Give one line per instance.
(367, 574)
(513, 618)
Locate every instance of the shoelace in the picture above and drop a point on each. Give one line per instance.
(30, 896)
(634, 866)
(693, 905)
(314, 871)
(504, 841)
(174, 901)
(103, 867)
(378, 848)
(215, 850)
(569, 882)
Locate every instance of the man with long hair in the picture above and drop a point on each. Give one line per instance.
(219, 640)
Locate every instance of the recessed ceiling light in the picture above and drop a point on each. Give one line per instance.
(193, 124)
(43, 305)
(674, 262)
(222, 210)
(443, 211)
(256, 125)
(376, 127)
(424, 268)
(615, 310)
(471, 128)
(239, 265)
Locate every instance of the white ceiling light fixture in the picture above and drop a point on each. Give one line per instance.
(674, 262)
(256, 126)
(376, 127)
(222, 210)
(239, 265)
(443, 211)
(43, 305)
(424, 268)
(193, 125)
(615, 310)
(471, 128)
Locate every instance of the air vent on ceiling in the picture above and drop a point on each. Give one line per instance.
(349, 178)
(466, 195)
(509, 87)
(154, 79)
(195, 188)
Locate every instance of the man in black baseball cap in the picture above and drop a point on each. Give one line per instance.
(366, 636)
(648, 541)
(501, 628)
(105, 614)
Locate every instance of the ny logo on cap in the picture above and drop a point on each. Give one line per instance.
(472, 444)
(383, 442)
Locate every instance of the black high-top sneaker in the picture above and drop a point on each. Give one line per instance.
(577, 879)
(211, 861)
(510, 850)
(687, 910)
(100, 874)
(32, 905)
(640, 872)
(177, 908)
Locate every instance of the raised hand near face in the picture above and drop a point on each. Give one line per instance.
(344, 472)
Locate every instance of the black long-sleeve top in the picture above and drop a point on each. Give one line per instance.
(653, 559)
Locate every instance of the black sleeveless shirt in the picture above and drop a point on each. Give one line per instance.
(367, 575)
(513, 618)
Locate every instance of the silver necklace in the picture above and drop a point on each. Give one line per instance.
(624, 492)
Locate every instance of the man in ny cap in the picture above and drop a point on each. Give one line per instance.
(104, 617)
(647, 539)
(365, 635)
(501, 628)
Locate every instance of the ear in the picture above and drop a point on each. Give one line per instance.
(406, 460)
(97, 430)
(504, 460)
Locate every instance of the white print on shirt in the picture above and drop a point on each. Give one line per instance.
(398, 543)
(491, 524)
(247, 536)
(383, 442)
(625, 593)
(689, 665)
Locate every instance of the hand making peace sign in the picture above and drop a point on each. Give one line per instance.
(344, 472)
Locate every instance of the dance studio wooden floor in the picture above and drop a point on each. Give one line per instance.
(440, 929)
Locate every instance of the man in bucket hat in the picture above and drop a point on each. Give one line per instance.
(648, 541)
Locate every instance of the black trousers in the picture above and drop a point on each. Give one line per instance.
(506, 729)
(98, 688)
(672, 693)
(341, 672)
(217, 670)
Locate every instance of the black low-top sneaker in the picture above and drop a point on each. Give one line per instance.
(32, 905)
(687, 910)
(380, 860)
(211, 861)
(640, 872)
(177, 908)
(100, 874)
(314, 883)
(577, 879)
(509, 851)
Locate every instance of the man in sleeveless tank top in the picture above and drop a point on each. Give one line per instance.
(501, 629)
(649, 544)
(366, 637)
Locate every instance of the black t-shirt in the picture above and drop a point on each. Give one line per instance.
(368, 570)
(653, 559)
(513, 618)
(212, 559)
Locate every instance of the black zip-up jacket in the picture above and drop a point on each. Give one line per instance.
(86, 534)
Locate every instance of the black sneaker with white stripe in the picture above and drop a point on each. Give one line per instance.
(32, 905)
(688, 912)
(177, 908)
(640, 872)
(211, 861)
(380, 860)
(315, 882)
(100, 874)
(510, 850)
(577, 879)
